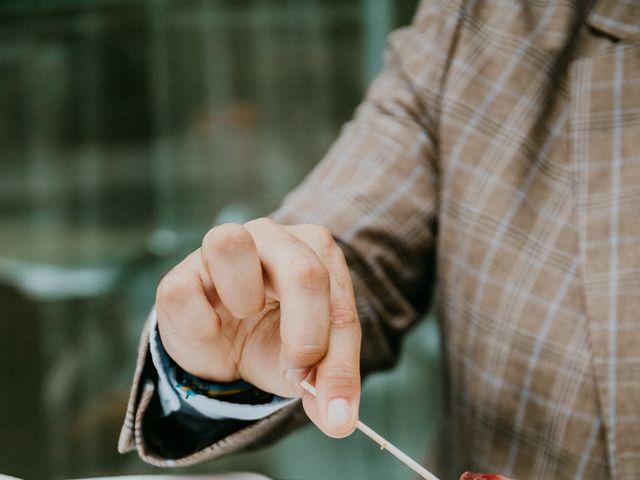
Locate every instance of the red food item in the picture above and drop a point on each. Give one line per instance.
(481, 476)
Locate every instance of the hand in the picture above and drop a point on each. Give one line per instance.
(270, 304)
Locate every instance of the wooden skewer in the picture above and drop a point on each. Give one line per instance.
(384, 444)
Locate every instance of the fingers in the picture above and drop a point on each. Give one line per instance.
(231, 260)
(317, 332)
(187, 322)
(301, 282)
(337, 378)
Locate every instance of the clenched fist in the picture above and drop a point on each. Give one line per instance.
(272, 305)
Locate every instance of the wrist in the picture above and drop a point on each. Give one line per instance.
(237, 391)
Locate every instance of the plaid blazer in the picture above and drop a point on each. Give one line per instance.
(499, 154)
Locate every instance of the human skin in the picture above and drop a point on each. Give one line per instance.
(270, 304)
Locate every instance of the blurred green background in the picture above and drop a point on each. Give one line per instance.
(127, 129)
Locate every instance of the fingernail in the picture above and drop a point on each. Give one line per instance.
(339, 413)
(296, 375)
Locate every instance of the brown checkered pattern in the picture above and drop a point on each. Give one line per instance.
(498, 152)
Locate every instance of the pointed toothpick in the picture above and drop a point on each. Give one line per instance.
(384, 444)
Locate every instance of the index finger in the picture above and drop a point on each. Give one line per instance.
(335, 408)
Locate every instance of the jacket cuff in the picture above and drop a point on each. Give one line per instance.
(146, 428)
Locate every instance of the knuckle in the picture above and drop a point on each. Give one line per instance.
(341, 376)
(227, 239)
(342, 315)
(323, 237)
(310, 274)
(174, 288)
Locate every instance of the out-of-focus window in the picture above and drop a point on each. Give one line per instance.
(127, 129)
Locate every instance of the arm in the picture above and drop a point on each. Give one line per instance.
(376, 191)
